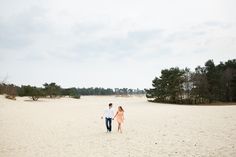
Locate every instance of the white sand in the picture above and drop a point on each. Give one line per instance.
(72, 128)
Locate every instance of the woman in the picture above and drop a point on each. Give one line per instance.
(119, 118)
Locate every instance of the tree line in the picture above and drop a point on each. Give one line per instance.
(207, 84)
(52, 90)
(109, 91)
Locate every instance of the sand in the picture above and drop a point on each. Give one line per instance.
(73, 128)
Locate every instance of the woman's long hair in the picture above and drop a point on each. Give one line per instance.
(121, 109)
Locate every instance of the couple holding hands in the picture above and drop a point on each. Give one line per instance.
(109, 116)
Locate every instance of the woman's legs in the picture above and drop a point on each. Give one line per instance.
(119, 128)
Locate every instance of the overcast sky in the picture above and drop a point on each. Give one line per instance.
(111, 43)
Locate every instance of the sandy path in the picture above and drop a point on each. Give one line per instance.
(69, 127)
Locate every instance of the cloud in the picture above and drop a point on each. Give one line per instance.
(17, 31)
(82, 41)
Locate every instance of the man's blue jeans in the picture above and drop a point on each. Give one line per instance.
(108, 124)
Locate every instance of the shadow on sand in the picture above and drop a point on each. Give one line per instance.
(211, 104)
(28, 100)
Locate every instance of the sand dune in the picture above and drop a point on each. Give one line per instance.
(72, 128)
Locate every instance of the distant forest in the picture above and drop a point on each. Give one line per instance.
(207, 84)
(53, 90)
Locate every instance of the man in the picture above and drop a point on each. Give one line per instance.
(108, 114)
